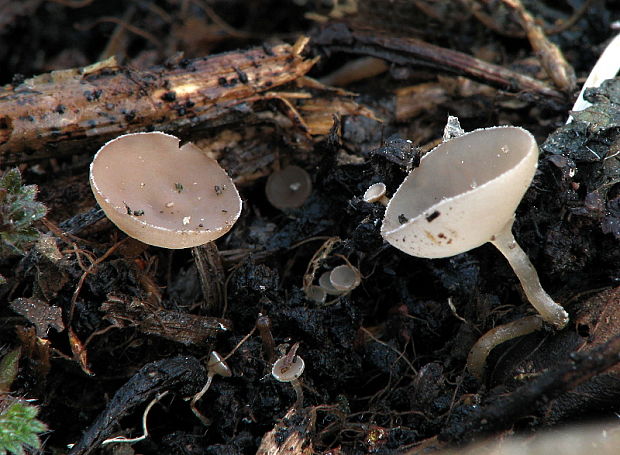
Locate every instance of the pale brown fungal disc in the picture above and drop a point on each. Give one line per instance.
(326, 284)
(344, 278)
(163, 194)
(316, 294)
(288, 188)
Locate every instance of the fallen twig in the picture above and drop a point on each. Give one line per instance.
(550, 55)
(79, 109)
(412, 51)
(505, 410)
(180, 372)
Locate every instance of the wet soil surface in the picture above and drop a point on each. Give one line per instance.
(384, 362)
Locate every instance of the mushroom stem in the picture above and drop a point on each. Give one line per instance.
(204, 389)
(211, 273)
(299, 393)
(263, 324)
(482, 348)
(549, 310)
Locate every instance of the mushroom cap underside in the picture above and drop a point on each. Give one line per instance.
(464, 191)
(163, 194)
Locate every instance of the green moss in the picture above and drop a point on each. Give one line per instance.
(18, 211)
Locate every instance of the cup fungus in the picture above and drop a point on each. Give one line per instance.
(376, 193)
(344, 278)
(163, 194)
(464, 194)
(316, 293)
(288, 188)
(326, 284)
(289, 368)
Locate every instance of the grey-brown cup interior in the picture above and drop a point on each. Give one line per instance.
(163, 194)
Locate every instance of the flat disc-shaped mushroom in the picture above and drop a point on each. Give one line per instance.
(462, 194)
(163, 194)
(288, 188)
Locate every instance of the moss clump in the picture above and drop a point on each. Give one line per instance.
(18, 211)
(19, 427)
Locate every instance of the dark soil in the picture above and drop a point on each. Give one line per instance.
(385, 363)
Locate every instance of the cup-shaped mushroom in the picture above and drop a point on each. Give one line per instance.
(217, 365)
(326, 284)
(464, 191)
(376, 193)
(285, 370)
(288, 188)
(464, 194)
(344, 278)
(316, 294)
(163, 194)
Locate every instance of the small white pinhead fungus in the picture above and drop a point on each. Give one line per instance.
(289, 368)
(344, 278)
(376, 193)
(326, 284)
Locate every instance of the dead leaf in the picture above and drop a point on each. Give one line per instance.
(79, 352)
(40, 313)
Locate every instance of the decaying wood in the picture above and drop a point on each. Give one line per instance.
(412, 51)
(501, 413)
(291, 435)
(183, 373)
(174, 325)
(549, 54)
(79, 109)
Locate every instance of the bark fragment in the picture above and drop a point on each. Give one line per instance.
(412, 51)
(81, 108)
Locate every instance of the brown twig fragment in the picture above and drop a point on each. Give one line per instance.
(79, 109)
(550, 55)
(506, 409)
(412, 51)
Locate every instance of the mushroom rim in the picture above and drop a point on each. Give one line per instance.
(143, 224)
(432, 208)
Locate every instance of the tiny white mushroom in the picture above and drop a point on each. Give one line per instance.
(316, 294)
(376, 193)
(289, 368)
(215, 366)
(326, 284)
(345, 278)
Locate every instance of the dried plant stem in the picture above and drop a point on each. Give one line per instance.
(551, 57)
(299, 393)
